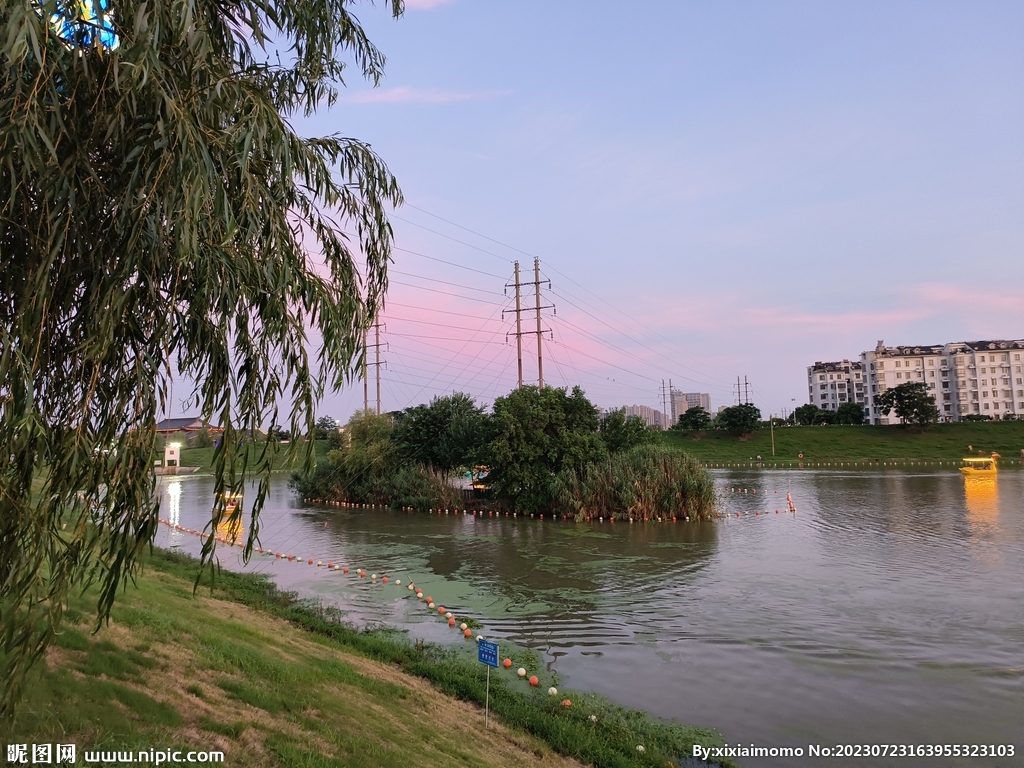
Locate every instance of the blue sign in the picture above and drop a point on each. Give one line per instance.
(487, 652)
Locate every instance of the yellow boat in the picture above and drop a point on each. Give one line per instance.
(979, 466)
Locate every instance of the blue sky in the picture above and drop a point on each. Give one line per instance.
(714, 189)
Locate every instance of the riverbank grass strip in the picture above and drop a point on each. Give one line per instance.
(271, 681)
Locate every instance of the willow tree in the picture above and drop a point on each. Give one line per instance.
(159, 214)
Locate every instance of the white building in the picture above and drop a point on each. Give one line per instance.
(684, 401)
(970, 377)
(829, 385)
(649, 416)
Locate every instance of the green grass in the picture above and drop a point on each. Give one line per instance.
(203, 457)
(939, 442)
(273, 681)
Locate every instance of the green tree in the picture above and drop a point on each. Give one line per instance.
(536, 434)
(694, 419)
(850, 413)
(202, 439)
(159, 212)
(325, 427)
(739, 419)
(807, 414)
(445, 435)
(911, 402)
(620, 433)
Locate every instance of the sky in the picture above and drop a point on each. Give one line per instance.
(714, 190)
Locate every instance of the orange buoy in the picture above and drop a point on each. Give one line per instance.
(362, 574)
(507, 663)
(451, 622)
(430, 599)
(330, 565)
(534, 681)
(566, 703)
(467, 633)
(345, 569)
(385, 579)
(441, 610)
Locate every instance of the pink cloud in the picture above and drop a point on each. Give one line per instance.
(426, 5)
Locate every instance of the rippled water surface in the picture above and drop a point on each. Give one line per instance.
(888, 609)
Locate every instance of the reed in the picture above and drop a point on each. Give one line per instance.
(645, 483)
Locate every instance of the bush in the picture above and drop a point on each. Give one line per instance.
(369, 468)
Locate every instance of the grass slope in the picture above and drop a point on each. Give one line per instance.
(203, 457)
(939, 442)
(274, 682)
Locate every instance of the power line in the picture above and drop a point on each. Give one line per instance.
(447, 293)
(445, 282)
(449, 263)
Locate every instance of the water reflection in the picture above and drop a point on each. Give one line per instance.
(174, 508)
(982, 496)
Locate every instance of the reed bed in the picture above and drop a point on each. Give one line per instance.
(646, 483)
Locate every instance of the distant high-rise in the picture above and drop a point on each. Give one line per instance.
(829, 385)
(684, 401)
(652, 417)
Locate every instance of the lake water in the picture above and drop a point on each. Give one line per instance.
(889, 609)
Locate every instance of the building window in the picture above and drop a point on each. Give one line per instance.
(931, 362)
(986, 406)
(898, 363)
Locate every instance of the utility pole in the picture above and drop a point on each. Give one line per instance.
(519, 327)
(377, 363)
(664, 406)
(746, 392)
(673, 416)
(376, 344)
(771, 423)
(739, 392)
(540, 335)
(519, 333)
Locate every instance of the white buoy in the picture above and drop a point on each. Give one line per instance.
(431, 606)
(640, 748)
(552, 691)
(463, 626)
(373, 576)
(398, 582)
(410, 587)
(448, 615)
(479, 638)
(521, 672)
(593, 718)
(319, 563)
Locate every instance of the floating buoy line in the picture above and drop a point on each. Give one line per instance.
(440, 611)
(805, 464)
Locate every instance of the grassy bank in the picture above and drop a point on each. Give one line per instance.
(203, 457)
(275, 682)
(939, 442)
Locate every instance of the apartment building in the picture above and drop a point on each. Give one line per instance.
(972, 377)
(681, 402)
(649, 416)
(829, 385)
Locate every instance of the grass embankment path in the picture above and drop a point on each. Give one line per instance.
(938, 442)
(273, 682)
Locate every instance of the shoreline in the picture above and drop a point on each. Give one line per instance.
(271, 679)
